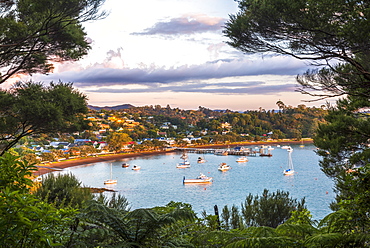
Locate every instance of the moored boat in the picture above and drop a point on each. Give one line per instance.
(224, 167)
(135, 167)
(201, 160)
(200, 179)
(221, 152)
(185, 163)
(125, 165)
(242, 159)
(290, 170)
(110, 181)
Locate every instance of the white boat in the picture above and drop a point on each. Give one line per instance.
(200, 179)
(110, 181)
(221, 152)
(135, 167)
(290, 170)
(201, 160)
(242, 159)
(185, 163)
(224, 167)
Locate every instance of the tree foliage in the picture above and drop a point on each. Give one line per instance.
(270, 209)
(36, 33)
(26, 221)
(334, 35)
(31, 108)
(63, 190)
(116, 141)
(315, 30)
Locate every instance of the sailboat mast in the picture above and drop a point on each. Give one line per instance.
(290, 162)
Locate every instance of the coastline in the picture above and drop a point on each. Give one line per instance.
(41, 170)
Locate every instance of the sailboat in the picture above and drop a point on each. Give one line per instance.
(185, 163)
(290, 170)
(110, 181)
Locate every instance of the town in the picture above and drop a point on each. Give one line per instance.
(124, 129)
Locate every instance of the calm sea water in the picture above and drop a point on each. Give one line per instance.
(159, 181)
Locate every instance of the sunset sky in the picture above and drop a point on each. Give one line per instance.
(159, 52)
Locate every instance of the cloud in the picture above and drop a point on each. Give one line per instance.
(218, 69)
(216, 77)
(235, 88)
(186, 24)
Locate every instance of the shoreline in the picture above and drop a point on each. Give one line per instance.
(54, 166)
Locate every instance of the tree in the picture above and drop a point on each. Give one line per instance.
(269, 209)
(63, 190)
(31, 108)
(26, 221)
(156, 227)
(334, 35)
(36, 33)
(116, 141)
(309, 30)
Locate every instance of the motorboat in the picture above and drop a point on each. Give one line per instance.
(200, 179)
(110, 181)
(201, 160)
(242, 159)
(135, 167)
(125, 165)
(224, 167)
(290, 170)
(221, 152)
(185, 164)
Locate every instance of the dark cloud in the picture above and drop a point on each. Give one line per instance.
(189, 24)
(195, 78)
(236, 88)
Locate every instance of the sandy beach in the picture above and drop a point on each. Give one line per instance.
(44, 169)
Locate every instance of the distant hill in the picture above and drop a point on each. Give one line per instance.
(118, 107)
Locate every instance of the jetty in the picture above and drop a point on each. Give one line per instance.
(239, 151)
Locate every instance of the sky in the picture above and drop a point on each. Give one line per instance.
(173, 52)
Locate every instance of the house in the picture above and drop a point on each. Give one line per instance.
(56, 144)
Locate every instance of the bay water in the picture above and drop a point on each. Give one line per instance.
(159, 181)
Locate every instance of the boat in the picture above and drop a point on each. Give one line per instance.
(135, 167)
(125, 165)
(200, 179)
(290, 170)
(110, 181)
(242, 159)
(265, 155)
(221, 152)
(185, 163)
(224, 167)
(201, 160)
(265, 151)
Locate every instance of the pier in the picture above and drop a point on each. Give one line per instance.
(241, 151)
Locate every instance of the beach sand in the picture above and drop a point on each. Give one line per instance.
(44, 169)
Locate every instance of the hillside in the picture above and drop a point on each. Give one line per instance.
(118, 107)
